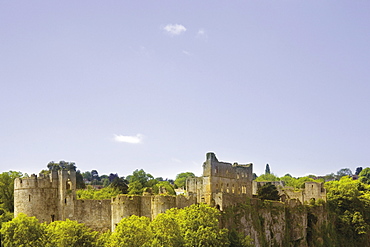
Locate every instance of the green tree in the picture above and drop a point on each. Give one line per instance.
(364, 175)
(164, 187)
(135, 188)
(349, 200)
(69, 233)
(80, 184)
(91, 193)
(120, 184)
(23, 231)
(200, 226)
(87, 176)
(62, 165)
(166, 231)
(103, 238)
(133, 231)
(238, 239)
(268, 192)
(358, 170)
(7, 189)
(139, 181)
(181, 179)
(267, 169)
(344, 172)
(269, 177)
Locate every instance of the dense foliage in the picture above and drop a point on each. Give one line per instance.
(180, 180)
(196, 225)
(349, 201)
(7, 190)
(91, 193)
(268, 192)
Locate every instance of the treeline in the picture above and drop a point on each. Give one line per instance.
(196, 225)
(91, 185)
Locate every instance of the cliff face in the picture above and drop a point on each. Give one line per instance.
(278, 224)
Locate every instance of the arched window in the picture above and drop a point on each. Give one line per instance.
(69, 184)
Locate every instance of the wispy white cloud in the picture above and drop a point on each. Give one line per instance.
(186, 53)
(174, 29)
(202, 34)
(129, 139)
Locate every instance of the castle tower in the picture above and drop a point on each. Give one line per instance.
(221, 180)
(47, 197)
(37, 196)
(66, 193)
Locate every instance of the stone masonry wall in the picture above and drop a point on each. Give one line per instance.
(95, 214)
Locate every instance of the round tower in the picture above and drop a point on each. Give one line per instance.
(37, 196)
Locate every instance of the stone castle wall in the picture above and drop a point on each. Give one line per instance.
(312, 191)
(149, 206)
(96, 214)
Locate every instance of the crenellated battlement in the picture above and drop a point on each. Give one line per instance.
(34, 181)
(49, 197)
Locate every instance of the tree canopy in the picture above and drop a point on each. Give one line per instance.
(350, 201)
(61, 165)
(7, 189)
(69, 233)
(181, 179)
(364, 175)
(267, 169)
(268, 177)
(268, 192)
(23, 231)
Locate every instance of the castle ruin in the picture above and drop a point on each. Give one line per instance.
(53, 197)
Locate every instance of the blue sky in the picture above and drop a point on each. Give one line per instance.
(122, 85)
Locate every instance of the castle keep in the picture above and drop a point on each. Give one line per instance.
(53, 197)
(220, 182)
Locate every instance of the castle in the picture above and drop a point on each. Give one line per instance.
(53, 197)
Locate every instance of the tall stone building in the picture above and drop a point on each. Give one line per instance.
(222, 184)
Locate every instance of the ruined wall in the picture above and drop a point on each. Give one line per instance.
(279, 185)
(162, 203)
(123, 206)
(221, 177)
(95, 214)
(292, 193)
(183, 201)
(312, 190)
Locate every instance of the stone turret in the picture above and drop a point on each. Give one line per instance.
(47, 197)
